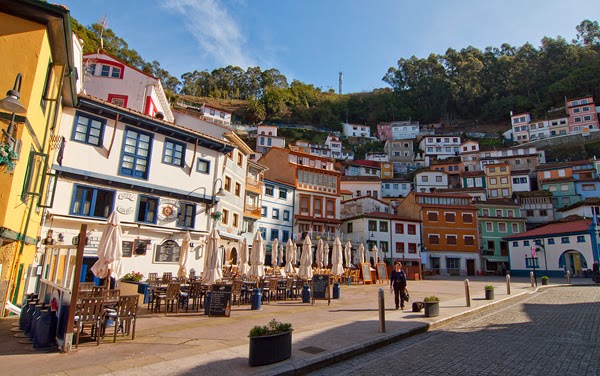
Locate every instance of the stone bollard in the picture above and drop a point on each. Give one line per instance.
(508, 284)
(568, 277)
(531, 278)
(467, 293)
(381, 301)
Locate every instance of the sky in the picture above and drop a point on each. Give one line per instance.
(313, 40)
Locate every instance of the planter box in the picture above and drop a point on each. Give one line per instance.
(432, 309)
(545, 281)
(270, 349)
(489, 294)
(131, 288)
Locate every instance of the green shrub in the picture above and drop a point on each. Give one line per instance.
(545, 278)
(274, 327)
(489, 287)
(431, 299)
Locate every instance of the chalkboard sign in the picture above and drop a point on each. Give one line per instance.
(127, 248)
(382, 272)
(320, 288)
(140, 246)
(220, 301)
(167, 252)
(366, 272)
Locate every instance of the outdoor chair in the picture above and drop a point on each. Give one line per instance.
(153, 290)
(170, 296)
(124, 315)
(98, 291)
(89, 312)
(167, 277)
(236, 291)
(270, 289)
(152, 276)
(86, 286)
(284, 288)
(195, 296)
(112, 295)
(192, 276)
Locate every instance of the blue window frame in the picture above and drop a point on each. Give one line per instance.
(274, 234)
(285, 236)
(147, 208)
(263, 233)
(203, 166)
(88, 129)
(105, 72)
(173, 153)
(262, 140)
(269, 141)
(283, 193)
(263, 211)
(269, 189)
(526, 243)
(137, 148)
(564, 240)
(580, 239)
(92, 202)
(275, 213)
(550, 241)
(286, 215)
(187, 215)
(515, 244)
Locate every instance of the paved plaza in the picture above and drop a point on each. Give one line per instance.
(188, 344)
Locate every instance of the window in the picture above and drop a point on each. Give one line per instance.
(515, 228)
(432, 216)
(453, 263)
(510, 213)
(438, 179)
(275, 214)
(498, 212)
(136, 154)
(92, 202)
(525, 243)
(399, 227)
(383, 247)
(263, 211)
(187, 215)
(203, 166)
(318, 206)
(467, 218)
(147, 207)
(469, 240)
(493, 181)
(225, 217)
(580, 239)
(173, 153)
(486, 212)
(529, 213)
(424, 179)
(88, 129)
(564, 240)
(450, 217)
(238, 189)
(412, 230)
(399, 247)
(274, 234)
(489, 226)
(349, 228)
(451, 239)
(283, 193)
(434, 239)
(502, 227)
(110, 71)
(285, 236)
(372, 225)
(263, 233)
(240, 159)
(515, 244)
(227, 184)
(119, 100)
(383, 226)
(286, 215)
(551, 241)
(269, 189)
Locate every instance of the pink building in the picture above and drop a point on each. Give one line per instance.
(582, 115)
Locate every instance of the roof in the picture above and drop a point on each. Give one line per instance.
(519, 172)
(533, 194)
(360, 178)
(498, 202)
(461, 189)
(381, 215)
(553, 229)
(346, 192)
(90, 55)
(558, 180)
(550, 166)
(366, 163)
(363, 198)
(473, 173)
(595, 201)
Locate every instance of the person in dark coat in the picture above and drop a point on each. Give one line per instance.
(398, 283)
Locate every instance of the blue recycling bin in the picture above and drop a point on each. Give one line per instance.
(39, 308)
(336, 290)
(24, 307)
(306, 294)
(143, 289)
(206, 303)
(255, 299)
(45, 331)
(29, 316)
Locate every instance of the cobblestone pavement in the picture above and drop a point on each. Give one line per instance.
(551, 332)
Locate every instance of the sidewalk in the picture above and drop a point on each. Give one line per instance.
(187, 344)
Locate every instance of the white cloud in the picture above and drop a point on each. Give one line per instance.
(216, 32)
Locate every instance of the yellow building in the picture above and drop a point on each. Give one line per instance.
(38, 72)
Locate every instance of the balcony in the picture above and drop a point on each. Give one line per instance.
(252, 211)
(254, 185)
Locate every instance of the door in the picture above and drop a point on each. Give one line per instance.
(470, 267)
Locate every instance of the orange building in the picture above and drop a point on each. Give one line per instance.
(450, 232)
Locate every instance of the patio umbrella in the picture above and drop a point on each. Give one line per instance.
(326, 255)
(257, 257)
(274, 252)
(306, 259)
(347, 250)
(296, 254)
(280, 259)
(337, 266)
(183, 254)
(213, 259)
(110, 250)
(289, 256)
(361, 253)
(244, 267)
(320, 253)
(375, 255)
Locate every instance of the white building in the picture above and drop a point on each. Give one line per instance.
(430, 180)
(395, 187)
(520, 127)
(362, 205)
(266, 137)
(356, 130)
(217, 115)
(520, 181)
(277, 211)
(440, 147)
(362, 185)
(405, 130)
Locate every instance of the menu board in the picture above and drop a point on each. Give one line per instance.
(127, 248)
(167, 252)
(366, 272)
(220, 301)
(382, 271)
(320, 288)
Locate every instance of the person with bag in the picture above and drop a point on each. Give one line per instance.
(398, 284)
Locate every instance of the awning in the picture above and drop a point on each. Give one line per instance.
(496, 258)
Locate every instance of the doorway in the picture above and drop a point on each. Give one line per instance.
(470, 267)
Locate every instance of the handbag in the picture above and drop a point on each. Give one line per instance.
(405, 295)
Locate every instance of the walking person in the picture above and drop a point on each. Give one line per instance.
(398, 283)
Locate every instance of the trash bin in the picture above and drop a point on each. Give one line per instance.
(45, 330)
(306, 294)
(29, 315)
(207, 303)
(24, 307)
(34, 319)
(336, 290)
(143, 289)
(255, 299)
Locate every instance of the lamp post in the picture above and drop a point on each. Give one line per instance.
(12, 104)
(542, 245)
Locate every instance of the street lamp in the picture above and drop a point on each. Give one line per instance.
(12, 104)
(220, 193)
(542, 246)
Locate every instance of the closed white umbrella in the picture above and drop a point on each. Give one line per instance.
(347, 251)
(213, 261)
(306, 259)
(244, 267)
(280, 254)
(319, 254)
(289, 256)
(110, 250)
(183, 254)
(361, 253)
(296, 254)
(337, 266)
(257, 257)
(274, 252)
(375, 255)
(326, 255)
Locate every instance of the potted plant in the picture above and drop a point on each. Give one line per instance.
(431, 305)
(270, 343)
(8, 157)
(545, 280)
(131, 284)
(216, 216)
(489, 292)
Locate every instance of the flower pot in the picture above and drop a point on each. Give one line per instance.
(489, 294)
(270, 349)
(544, 281)
(432, 309)
(130, 288)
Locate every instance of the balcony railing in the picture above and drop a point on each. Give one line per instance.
(252, 210)
(254, 184)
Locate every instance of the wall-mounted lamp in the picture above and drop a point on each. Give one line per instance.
(61, 237)
(12, 104)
